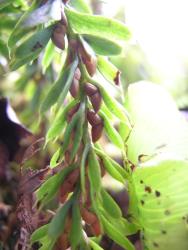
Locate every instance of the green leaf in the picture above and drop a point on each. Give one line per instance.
(107, 69)
(7, 23)
(78, 133)
(112, 171)
(115, 235)
(82, 168)
(48, 56)
(59, 122)
(111, 132)
(157, 123)
(35, 42)
(76, 235)
(3, 49)
(94, 245)
(39, 233)
(81, 6)
(114, 107)
(60, 87)
(94, 172)
(18, 62)
(46, 243)
(49, 11)
(110, 205)
(69, 128)
(19, 32)
(57, 224)
(49, 188)
(162, 199)
(103, 46)
(97, 26)
(124, 227)
(55, 158)
(31, 48)
(112, 167)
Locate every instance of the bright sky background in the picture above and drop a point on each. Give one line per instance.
(161, 28)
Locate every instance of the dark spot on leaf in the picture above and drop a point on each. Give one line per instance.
(167, 212)
(142, 202)
(141, 182)
(163, 232)
(155, 244)
(37, 45)
(148, 189)
(157, 193)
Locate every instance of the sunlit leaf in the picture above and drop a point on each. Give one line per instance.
(107, 69)
(162, 199)
(115, 107)
(39, 233)
(111, 132)
(111, 165)
(51, 10)
(55, 158)
(113, 171)
(97, 26)
(48, 55)
(103, 46)
(94, 245)
(157, 123)
(81, 6)
(19, 31)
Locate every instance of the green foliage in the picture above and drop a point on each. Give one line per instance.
(154, 111)
(110, 206)
(57, 225)
(97, 26)
(116, 235)
(94, 173)
(103, 46)
(60, 87)
(69, 88)
(161, 184)
(76, 235)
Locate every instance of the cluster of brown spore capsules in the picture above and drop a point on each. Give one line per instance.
(89, 60)
(95, 98)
